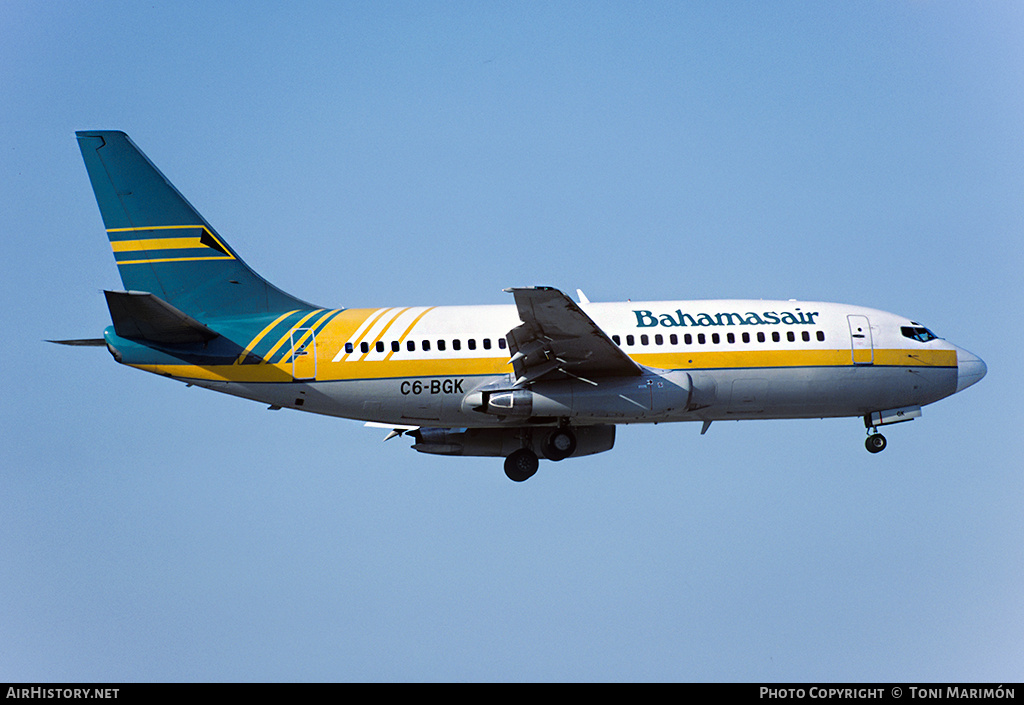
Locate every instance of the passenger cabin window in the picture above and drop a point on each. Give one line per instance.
(395, 346)
(348, 347)
(617, 340)
(487, 343)
(918, 333)
(364, 347)
(629, 340)
(380, 346)
(411, 346)
(440, 345)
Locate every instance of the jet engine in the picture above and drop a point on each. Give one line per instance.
(502, 442)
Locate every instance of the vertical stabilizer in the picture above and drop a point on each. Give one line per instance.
(162, 245)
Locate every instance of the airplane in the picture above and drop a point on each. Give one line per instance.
(547, 377)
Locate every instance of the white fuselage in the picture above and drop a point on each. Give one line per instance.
(739, 358)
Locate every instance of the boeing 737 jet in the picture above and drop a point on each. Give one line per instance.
(545, 377)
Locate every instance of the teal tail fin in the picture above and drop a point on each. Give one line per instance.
(162, 245)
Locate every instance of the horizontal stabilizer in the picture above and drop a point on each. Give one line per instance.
(83, 342)
(396, 429)
(139, 315)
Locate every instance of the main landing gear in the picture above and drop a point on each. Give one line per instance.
(522, 464)
(560, 444)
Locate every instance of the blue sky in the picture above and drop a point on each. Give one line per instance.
(379, 154)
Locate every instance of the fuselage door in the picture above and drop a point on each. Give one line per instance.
(303, 354)
(860, 340)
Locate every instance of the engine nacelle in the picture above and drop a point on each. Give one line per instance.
(500, 442)
(648, 396)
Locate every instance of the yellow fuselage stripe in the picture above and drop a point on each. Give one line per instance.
(408, 330)
(438, 367)
(365, 328)
(382, 332)
(255, 341)
(309, 331)
(288, 334)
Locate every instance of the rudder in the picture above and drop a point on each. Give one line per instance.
(162, 245)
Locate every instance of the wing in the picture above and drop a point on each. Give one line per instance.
(556, 336)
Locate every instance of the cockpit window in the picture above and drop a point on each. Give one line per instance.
(918, 333)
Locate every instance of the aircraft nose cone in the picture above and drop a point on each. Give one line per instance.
(969, 369)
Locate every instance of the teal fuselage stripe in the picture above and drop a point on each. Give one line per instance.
(316, 324)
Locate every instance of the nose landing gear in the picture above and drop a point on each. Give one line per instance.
(875, 443)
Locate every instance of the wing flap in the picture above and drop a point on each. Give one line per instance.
(556, 336)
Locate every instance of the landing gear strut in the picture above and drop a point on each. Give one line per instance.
(521, 465)
(875, 442)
